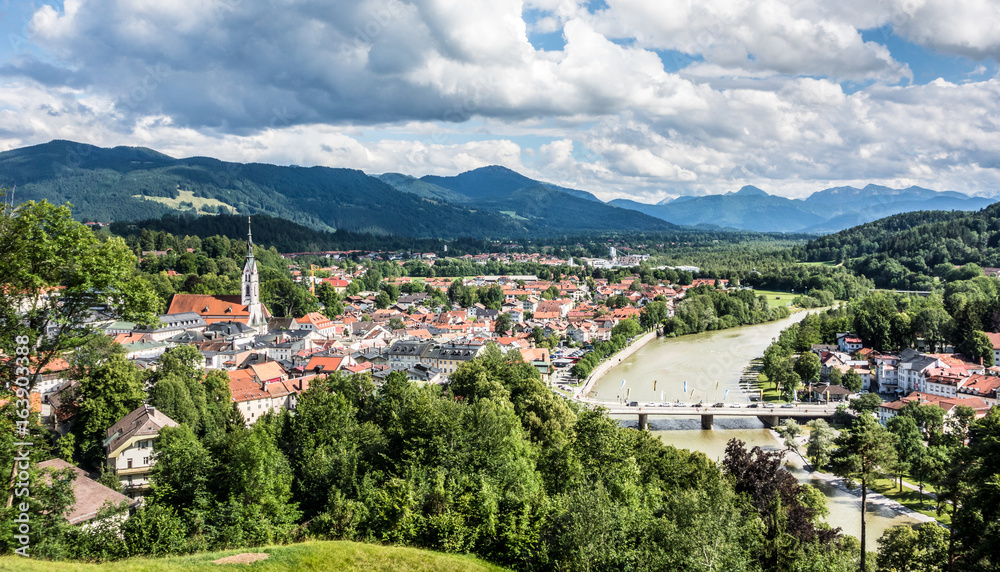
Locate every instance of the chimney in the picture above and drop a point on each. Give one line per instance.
(151, 410)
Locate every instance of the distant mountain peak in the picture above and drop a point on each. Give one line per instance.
(750, 190)
(493, 170)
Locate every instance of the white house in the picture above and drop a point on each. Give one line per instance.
(128, 446)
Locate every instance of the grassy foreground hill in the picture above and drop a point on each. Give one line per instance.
(316, 555)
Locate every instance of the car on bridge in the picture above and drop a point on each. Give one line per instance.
(719, 404)
(787, 406)
(734, 405)
(633, 404)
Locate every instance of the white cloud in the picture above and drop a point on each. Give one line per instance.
(440, 86)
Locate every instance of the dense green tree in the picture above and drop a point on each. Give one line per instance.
(107, 393)
(182, 475)
(866, 405)
(835, 376)
(653, 314)
(910, 445)
(934, 325)
(501, 326)
(928, 417)
(55, 271)
(913, 548)
(286, 298)
(864, 451)
(178, 388)
(808, 366)
(977, 495)
(852, 381)
(873, 319)
(821, 445)
(979, 348)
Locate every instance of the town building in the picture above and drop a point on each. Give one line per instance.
(128, 447)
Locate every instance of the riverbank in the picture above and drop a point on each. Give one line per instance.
(797, 461)
(614, 360)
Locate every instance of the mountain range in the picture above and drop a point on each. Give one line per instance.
(134, 183)
(822, 212)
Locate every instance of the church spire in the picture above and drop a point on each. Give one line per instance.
(249, 241)
(250, 291)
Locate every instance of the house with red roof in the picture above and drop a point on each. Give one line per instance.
(315, 322)
(890, 409)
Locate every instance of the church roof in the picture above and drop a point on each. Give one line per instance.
(213, 308)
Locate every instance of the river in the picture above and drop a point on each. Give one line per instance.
(711, 364)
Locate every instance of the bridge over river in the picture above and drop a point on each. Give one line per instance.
(769, 415)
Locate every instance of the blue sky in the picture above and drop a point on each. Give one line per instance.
(643, 99)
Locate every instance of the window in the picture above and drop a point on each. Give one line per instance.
(145, 460)
(130, 466)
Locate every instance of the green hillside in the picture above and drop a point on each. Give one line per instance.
(908, 251)
(126, 183)
(130, 184)
(329, 555)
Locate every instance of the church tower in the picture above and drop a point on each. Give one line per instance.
(250, 293)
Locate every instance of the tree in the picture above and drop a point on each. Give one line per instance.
(852, 381)
(178, 390)
(929, 466)
(652, 315)
(790, 431)
(106, 394)
(821, 443)
(286, 298)
(976, 523)
(54, 270)
(835, 376)
(182, 474)
(913, 548)
(873, 317)
(382, 300)
(910, 444)
(934, 325)
(979, 347)
(929, 418)
(808, 366)
(864, 451)
(501, 326)
(787, 380)
(329, 299)
(778, 498)
(866, 404)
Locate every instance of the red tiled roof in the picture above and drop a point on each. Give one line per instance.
(325, 364)
(213, 308)
(994, 339)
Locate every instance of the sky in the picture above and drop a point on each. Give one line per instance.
(639, 99)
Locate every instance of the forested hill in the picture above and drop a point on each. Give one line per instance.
(127, 183)
(131, 183)
(907, 250)
(283, 235)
